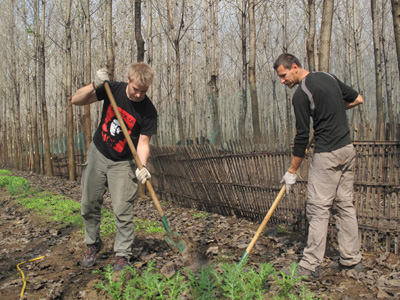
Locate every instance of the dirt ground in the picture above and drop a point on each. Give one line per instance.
(214, 238)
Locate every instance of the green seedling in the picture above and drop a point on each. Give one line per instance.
(14, 184)
(5, 172)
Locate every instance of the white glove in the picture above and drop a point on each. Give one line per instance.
(101, 77)
(289, 179)
(142, 175)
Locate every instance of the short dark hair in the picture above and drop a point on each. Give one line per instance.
(287, 60)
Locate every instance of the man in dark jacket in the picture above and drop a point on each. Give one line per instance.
(324, 98)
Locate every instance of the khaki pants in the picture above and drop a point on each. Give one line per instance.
(330, 190)
(98, 174)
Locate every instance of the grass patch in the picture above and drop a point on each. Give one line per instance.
(57, 208)
(15, 185)
(5, 172)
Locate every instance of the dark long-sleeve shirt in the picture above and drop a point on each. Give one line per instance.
(320, 96)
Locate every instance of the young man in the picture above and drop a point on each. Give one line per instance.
(110, 162)
(324, 98)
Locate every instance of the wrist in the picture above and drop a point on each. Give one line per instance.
(292, 172)
(94, 85)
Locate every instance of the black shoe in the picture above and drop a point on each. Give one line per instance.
(89, 259)
(357, 267)
(120, 263)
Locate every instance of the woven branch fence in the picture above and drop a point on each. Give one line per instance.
(244, 183)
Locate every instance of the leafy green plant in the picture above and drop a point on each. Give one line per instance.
(113, 288)
(238, 282)
(5, 172)
(203, 285)
(288, 281)
(200, 215)
(149, 285)
(14, 184)
(148, 226)
(55, 207)
(228, 281)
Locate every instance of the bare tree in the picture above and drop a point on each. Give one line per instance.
(357, 49)
(243, 37)
(68, 87)
(138, 32)
(311, 53)
(326, 31)
(86, 110)
(378, 63)
(109, 40)
(385, 55)
(214, 77)
(175, 39)
(15, 93)
(396, 28)
(36, 85)
(42, 72)
(252, 73)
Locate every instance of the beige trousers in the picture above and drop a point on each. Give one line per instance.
(330, 191)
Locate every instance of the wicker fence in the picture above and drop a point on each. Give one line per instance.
(242, 182)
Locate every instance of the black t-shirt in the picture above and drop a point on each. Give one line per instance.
(139, 118)
(324, 103)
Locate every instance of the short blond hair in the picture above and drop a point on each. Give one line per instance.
(141, 73)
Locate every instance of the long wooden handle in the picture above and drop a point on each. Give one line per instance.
(132, 147)
(269, 214)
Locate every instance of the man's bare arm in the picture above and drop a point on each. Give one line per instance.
(359, 100)
(85, 95)
(143, 148)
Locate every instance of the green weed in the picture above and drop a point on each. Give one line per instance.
(148, 285)
(14, 184)
(55, 207)
(148, 226)
(200, 215)
(288, 281)
(228, 281)
(5, 172)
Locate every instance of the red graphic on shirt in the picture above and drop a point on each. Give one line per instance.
(111, 130)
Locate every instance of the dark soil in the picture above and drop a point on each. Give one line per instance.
(213, 238)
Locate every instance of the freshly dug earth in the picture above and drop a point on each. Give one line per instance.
(209, 238)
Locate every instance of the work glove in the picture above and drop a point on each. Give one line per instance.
(289, 179)
(142, 175)
(101, 77)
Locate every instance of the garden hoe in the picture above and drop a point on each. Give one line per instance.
(269, 214)
(172, 238)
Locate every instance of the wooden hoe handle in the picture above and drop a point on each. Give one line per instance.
(132, 147)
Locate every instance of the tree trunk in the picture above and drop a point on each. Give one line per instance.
(378, 64)
(326, 31)
(15, 93)
(138, 32)
(311, 36)
(36, 100)
(385, 68)
(214, 78)
(109, 40)
(243, 108)
(175, 42)
(396, 28)
(42, 65)
(87, 120)
(357, 50)
(252, 73)
(68, 92)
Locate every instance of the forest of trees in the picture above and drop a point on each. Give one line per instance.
(212, 59)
